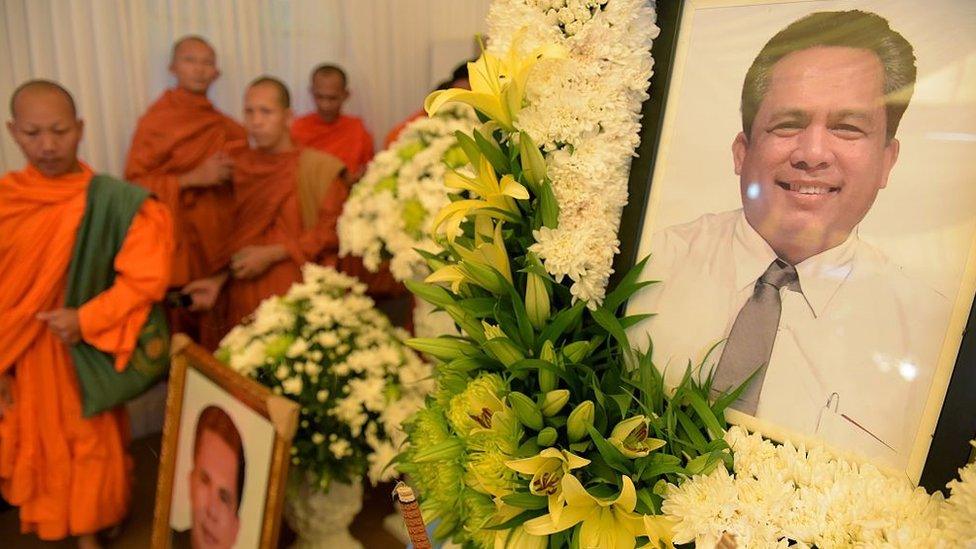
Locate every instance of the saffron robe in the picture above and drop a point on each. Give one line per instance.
(293, 199)
(68, 475)
(346, 138)
(178, 132)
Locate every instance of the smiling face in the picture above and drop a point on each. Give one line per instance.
(214, 493)
(817, 154)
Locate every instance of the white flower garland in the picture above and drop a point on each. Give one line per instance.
(780, 493)
(584, 111)
(391, 209)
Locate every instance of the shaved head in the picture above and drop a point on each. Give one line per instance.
(327, 69)
(284, 96)
(42, 87)
(194, 64)
(188, 39)
(45, 125)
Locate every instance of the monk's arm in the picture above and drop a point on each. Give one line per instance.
(112, 320)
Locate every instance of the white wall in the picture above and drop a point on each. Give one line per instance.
(112, 55)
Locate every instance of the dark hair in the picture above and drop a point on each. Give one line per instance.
(284, 96)
(45, 85)
(190, 38)
(461, 71)
(851, 29)
(325, 69)
(215, 420)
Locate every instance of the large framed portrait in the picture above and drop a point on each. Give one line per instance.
(806, 193)
(225, 456)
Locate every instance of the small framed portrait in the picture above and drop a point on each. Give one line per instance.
(806, 197)
(225, 456)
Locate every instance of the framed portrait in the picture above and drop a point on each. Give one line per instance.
(805, 192)
(225, 456)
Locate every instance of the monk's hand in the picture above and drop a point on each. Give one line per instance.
(64, 323)
(252, 261)
(6, 393)
(213, 171)
(204, 292)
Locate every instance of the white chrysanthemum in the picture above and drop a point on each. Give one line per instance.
(584, 111)
(391, 209)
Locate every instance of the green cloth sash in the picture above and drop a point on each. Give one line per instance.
(111, 207)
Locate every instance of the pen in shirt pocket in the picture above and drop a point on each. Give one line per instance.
(833, 401)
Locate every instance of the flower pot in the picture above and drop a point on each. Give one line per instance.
(321, 519)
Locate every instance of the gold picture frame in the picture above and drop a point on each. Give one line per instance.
(189, 359)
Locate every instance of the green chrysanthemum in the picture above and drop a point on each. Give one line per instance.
(478, 509)
(414, 213)
(474, 407)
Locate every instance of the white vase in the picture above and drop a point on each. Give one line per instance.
(321, 519)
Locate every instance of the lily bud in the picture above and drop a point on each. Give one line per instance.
(579, 419)
(546, 437)
(444, 348)
(576, 351)
(525, 410)
(537, 301)
(554, 401)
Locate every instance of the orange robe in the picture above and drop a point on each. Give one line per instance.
(268, 211)
(346, 138)
(178, 132)
(69, 475)
(395, 132)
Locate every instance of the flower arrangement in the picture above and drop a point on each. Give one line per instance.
(546, 428)
(325, 346)
(583, 109)
(389, 213)
(782, 495)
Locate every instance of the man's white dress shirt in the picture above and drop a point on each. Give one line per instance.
(855, 350)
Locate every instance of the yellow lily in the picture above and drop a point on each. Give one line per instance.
(487, 254)
(659, 530)
(547, 470)
(630, 437)
(492, 193)
(609, 523)
(497, 84)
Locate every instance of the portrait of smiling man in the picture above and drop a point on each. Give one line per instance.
(845, 343)
(216, 483)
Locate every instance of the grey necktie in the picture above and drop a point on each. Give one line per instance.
(751, 340)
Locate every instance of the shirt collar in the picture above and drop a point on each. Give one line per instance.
(820, 276)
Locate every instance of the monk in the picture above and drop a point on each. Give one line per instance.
(181, 152)
(327, 129)
(69, 475)
(459, 79)
(287, 200)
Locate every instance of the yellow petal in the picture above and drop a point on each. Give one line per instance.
(454, 180)
(575, 462)
(483, 74)
(527, 466)
(489, 105)
(627, 499)
(511, 187)
(544, 525)
(576, 495)
(459, 207)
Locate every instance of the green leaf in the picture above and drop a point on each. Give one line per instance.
(645, 503)
(606, 318)
(561, 322)
(692, 430)
(490, 149)
(517, 520)
(705, 413)
(627, 286)
(478, 307)
(548, 206)
(525, 500)
(533, 163)
(611, 455)
(430, 293)
(469, 147)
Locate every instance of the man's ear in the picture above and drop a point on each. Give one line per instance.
(11, 127)
(739, 146)
(891, 151)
